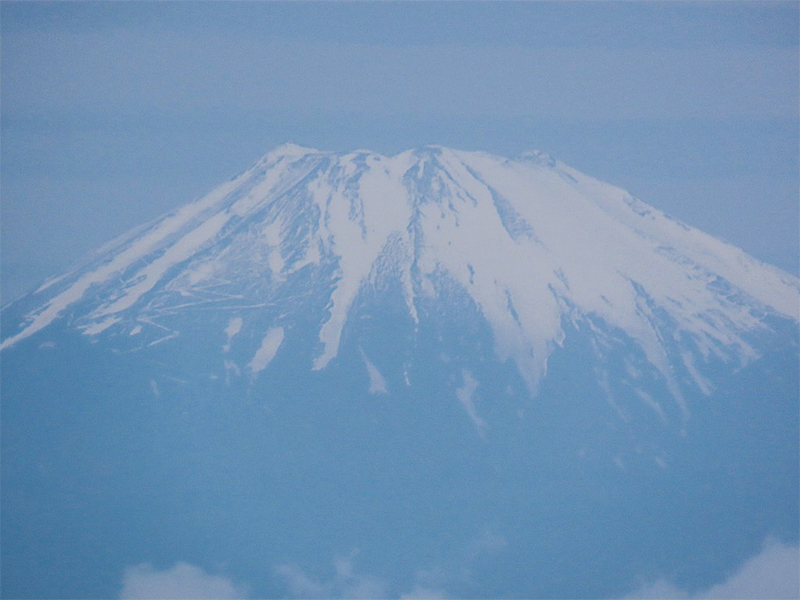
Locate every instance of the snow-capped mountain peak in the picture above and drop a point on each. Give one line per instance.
(358, 344)
(533, 243)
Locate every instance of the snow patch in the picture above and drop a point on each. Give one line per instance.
(269, 348)
(377, 384)
(465, 395)
(276, 263)
(231, 368)
(234, 327)
(272, 233)
(96, 328)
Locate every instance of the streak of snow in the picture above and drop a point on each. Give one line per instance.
(180, 251)
(136, 250)
(355, 247)
(267, 351)
(261, 191)
(96, 328)
(649, 401)
(703, 383)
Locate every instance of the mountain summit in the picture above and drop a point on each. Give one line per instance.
(547, 328)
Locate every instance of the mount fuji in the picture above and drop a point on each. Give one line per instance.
(439, 373)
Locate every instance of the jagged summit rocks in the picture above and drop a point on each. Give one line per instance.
(528, 328)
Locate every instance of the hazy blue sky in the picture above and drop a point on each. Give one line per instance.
(113, 113)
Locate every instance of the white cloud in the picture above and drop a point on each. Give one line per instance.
(661, 589)
(772, 574)
(181, 581)
(775, 573)
(423, 593)
(459, 570)
(301, 585)
(345, 583)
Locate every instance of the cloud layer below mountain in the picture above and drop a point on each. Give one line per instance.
(773, 574)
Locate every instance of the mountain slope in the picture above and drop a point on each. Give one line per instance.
(467, 373)
(530, 240)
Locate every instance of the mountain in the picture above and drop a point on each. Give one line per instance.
(482, 375)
